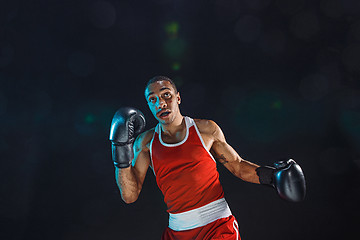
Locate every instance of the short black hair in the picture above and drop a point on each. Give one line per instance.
(161, 78)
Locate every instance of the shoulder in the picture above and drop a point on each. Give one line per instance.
(144, 139)
(206, 126)
(209, 127)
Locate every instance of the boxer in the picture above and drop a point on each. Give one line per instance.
(182, 152)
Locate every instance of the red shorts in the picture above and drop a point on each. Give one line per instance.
(223, 228)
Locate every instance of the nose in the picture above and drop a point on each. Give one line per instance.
(161, 103)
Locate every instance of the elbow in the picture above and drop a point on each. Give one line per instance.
(129, 199)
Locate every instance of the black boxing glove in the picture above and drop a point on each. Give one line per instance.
(286, 177)
(126, 125)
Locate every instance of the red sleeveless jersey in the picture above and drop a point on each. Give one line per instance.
(185, 172)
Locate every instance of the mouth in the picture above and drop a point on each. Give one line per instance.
(163, 114)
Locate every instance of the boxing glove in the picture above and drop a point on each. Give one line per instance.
(126, 125)
(286, 177)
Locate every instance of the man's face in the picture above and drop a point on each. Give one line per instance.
(163, 101)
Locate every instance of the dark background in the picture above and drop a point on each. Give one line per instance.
(281, 78)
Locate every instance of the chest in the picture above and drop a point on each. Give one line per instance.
(173, 139)
(178, 137)
(189, 154)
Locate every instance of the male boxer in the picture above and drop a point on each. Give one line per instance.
(182, 153)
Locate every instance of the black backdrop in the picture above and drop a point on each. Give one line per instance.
(281, 78)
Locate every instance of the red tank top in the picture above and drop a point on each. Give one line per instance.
(185, 172)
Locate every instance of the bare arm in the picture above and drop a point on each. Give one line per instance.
(130, 180)
(226, 155)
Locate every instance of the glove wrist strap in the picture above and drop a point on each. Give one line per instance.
(266, 175)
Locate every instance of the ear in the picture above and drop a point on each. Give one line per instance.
(178, 98)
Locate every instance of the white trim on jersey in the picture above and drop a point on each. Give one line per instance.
(236, 227)
(202, 141)
(187, 124)
(152, 163)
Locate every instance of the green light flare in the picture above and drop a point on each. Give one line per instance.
(172, 29)
(175, 48)
(176, 66)
(277, 104)
(89, 118)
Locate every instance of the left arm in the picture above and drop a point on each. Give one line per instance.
(226, 155)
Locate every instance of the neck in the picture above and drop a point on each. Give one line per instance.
(175, 126)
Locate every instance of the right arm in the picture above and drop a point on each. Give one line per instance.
(130, 180)
(131, 157)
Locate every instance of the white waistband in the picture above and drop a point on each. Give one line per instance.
(200, 216)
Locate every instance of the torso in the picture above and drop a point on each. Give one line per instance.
(184, 168)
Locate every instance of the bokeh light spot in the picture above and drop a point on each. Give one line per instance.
(263, 116)
(90, 118)
(351, 121)
(277, 104)
(172, 29)
(273, 42)
(332, 8)
(93, 118)
(176, 66)
(314, 87)
(305, 25)
(290, 7)
(175, 48)
(227, 11)
(350, 124)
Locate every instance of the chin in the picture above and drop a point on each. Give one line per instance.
(167, 121)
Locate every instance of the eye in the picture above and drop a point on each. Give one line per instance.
(167, 95)
(151, 100)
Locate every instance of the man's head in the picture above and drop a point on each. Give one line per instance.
(161, 78)
(163, 99)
